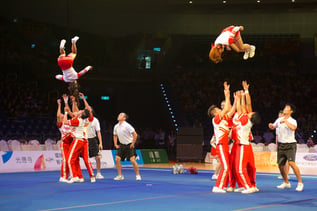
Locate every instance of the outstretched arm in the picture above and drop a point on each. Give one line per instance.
(87, 106)
(247, 96)
(234, 107)
(67, 108)
(59, 113)
(227, 99)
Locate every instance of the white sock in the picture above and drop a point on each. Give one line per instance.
(62, 44)
(74, 40)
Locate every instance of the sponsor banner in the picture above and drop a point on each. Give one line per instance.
(306, 159)
(154, 156)
(17, 161)
(138, 158)
(269, 159)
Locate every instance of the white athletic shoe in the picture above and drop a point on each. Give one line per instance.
(246, 55)
(252, 51)
(256, 189)
(230, 189)
(74, 179)
(74, 39)
(214, 177)
(62, 179)
(138, 177)
(284, 185)
(92, 179)
(239, 190)
(218, 190)
(247, 191)
(300, 187)
(62, 44)
(99, 176)
(81, 180)
(119, 177)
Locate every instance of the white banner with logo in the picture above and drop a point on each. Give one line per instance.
(19, 161)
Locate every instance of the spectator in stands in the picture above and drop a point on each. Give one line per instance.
(171, 145)
(268, 137)
(257, 138)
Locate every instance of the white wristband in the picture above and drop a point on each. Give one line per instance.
(246, 92)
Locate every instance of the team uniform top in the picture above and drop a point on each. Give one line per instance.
(221, 129)
(285, 134)
(228, 35)
(66, 64)
(80, 127)
(93, 127)
(124, 132)
(243, 129)
(66, 132)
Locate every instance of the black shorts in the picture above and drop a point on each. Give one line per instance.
(93, 147)
(125, 152)
(286, 152)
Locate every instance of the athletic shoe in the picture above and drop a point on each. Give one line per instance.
(138, 177)
(62, 44)
(62, 179)
(280, 177)
(246, 55)
(99, 176)
(230, 189)
(92, 179)
(218, 190)
(252, 51)
(300, 186)
(81, 180)
(256, 189)
(238, 190)
(247, 191)
(284, 185)
(75, 39)
(119, 177)
(74, 179)
(214, 177)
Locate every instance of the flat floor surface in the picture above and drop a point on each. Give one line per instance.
(159, 189)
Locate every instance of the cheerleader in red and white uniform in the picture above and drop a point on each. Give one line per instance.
(79, 146)
(231, 39)
(221, 131)
(244, 154)
(66, 63)
(213, 155)
(66, 138)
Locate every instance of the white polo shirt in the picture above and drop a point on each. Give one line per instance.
(93, 128)
(124, 132)
(285, 134)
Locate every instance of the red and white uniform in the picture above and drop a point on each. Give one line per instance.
(79, 147)
(66, 64)
(244, 162)
(233, 179)
(66, 139)
(228, 36)
(221, 131)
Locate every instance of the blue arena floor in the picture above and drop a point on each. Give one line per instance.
(158, 190)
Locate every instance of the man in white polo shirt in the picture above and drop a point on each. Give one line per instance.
(126, 145)
(286, 150)
(95, 144)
